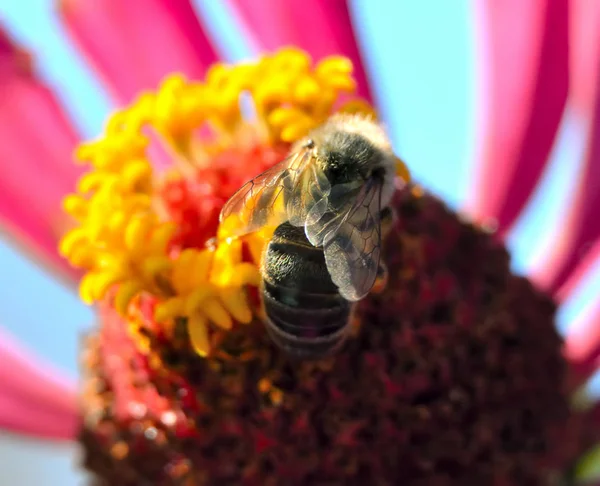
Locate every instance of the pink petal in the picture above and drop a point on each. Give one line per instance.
(581, 226)
(321, 27)
(35, 420)
(585, 264)
(525, 82)
(582, 344)
(585, 47)
(36, 145)
(33, 399)
(134, 44)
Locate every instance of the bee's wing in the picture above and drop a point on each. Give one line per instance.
(353, 246)
(323, 220)
(308, 201)
(261, 201)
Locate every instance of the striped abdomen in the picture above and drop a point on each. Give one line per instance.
(306, 316)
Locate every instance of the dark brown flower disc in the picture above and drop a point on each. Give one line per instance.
(453, 375)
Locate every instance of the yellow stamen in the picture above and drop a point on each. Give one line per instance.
(127, 291)
(198, 334)
(236, 304)
(217, 314)
(402, 170)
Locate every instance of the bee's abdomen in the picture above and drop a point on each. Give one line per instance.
(306, 315)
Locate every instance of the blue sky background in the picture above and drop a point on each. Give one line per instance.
(421, 56)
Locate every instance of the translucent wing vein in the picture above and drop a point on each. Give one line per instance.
(353, 248)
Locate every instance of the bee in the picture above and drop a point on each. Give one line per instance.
(328, 199)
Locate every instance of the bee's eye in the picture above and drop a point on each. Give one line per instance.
(310, 144)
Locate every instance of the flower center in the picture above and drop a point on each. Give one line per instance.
(164, 167)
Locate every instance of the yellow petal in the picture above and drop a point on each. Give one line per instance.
(306, 90)
(226, 256)
(197, 298)
(136, 233)
(116, 121)
(246, 274)
(76, 206)
(103, 282)
(141, 111)
(170, 308)
(153, 266)
(270, 93)
(87, 151)
(218, 74)
(359, 106)
(334, 65)
(284, 116)
(236, 303)
(180, 277)
(215, 311)
(198, 334)
(83, 256)
(341, 82)
(291, 133)
(136, 171)
(256, 245)
(117, 222)
(127, 291)
(200, 267)
(91, 181)
(71, 241)
(106, 260)
(161, 237)
(228, 227)
(173, 83)
(86, 289)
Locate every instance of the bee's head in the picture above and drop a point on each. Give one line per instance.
(347, 156)
(353, 148)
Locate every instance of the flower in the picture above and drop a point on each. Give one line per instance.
(454, 370)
